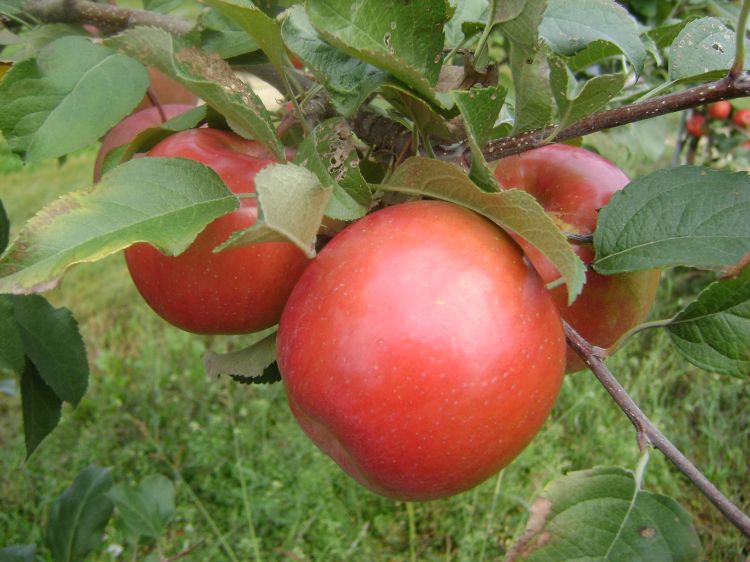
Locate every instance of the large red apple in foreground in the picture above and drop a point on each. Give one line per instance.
(420, 351)
(129, 128)
(572, 184)
(236, 291)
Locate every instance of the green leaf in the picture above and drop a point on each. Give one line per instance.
(248, 363)
(146, 509)
(206, 75)
(78, 517)
(568, 27)
(67, 97)
(513, 210)
(20, 553)
(524, 29)
(218, 34)
(466, 11)
(163, 201)
(291, 202)
(578, 100)
(479, 108)
(713, 332)
(533, 100)
(4, 228)
(682, 216)
(53, 343)
(38, 38)
(263, 29)
(40, 406)
(404, 38)
(348, 80)
(600, 514)
(705, 45)
(12, 354)
(329, 152)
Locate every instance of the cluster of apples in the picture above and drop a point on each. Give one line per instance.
(697, 124)
(421, 349)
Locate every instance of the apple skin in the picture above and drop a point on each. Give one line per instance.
(572, 184)
(240, 290)
(741, 117)
(167, 91)
(420, 351)
(720, 109)
(696, 125)
(127, 129)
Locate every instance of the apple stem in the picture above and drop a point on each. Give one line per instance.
(651, 433)
(153, 98)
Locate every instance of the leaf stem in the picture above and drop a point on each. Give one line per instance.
(645, 427)
(636, 330)
(739, 56)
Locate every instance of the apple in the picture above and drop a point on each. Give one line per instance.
(127, 129)
(720, 109)
(572, 184)
(420, 351)
(741, 117)
(166, 91)
(696, 125)
(240, 290)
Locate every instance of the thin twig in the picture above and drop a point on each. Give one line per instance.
(739, 56)
(644, 426)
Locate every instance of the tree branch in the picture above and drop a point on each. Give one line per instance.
(646, 428)
(102, 15)
(723, 89)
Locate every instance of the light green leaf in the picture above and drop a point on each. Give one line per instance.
(40, 406)
(206, 75)
(533, 101)
(146, 509)
(67, 97)
(329, 152)
(53, 343)
(291, 202)
(681, 216)
(465, 11)
(218, 34)
(704, 46)
(513, 210)
(601, 514)
(78, 517)
(568, 27)
(164, 201)
(404, 38)
(713, 332)
(249, 364)
(348, 80)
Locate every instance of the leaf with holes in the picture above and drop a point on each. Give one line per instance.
(703, 48)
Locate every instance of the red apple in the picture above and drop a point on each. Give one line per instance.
(572, 184)
(741, 117)
(166, 91)
(127, 129)
(696, 125)
(240, 290)
(720, 109)
(420, 350)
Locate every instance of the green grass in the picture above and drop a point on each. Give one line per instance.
(248, 478)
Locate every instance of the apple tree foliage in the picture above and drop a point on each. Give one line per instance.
(396, 100)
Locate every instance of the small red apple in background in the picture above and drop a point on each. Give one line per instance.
(572, 184)
(166, 91)
(720, 109)
(741, 117)
(696, 125)
(127, 129)
(420, 350)
(240, 290)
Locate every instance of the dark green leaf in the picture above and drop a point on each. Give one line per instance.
(21, 553)
(58, 103)
(52, 342)
(568, 27)
(330, 154)
(249, 362)
(4, 228)
(713, 332)
(404, 38)
(146, 509)
(664, 35)
(600, 514)
(208, 76)
(78, 517)
(40, 406)
(682, 216)
(271, 374)
(479, 108)
(348, 80)
(703, 46)
(512, 209)
(219, 34)
(12, 355)
(291, 202)
(164, 201)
